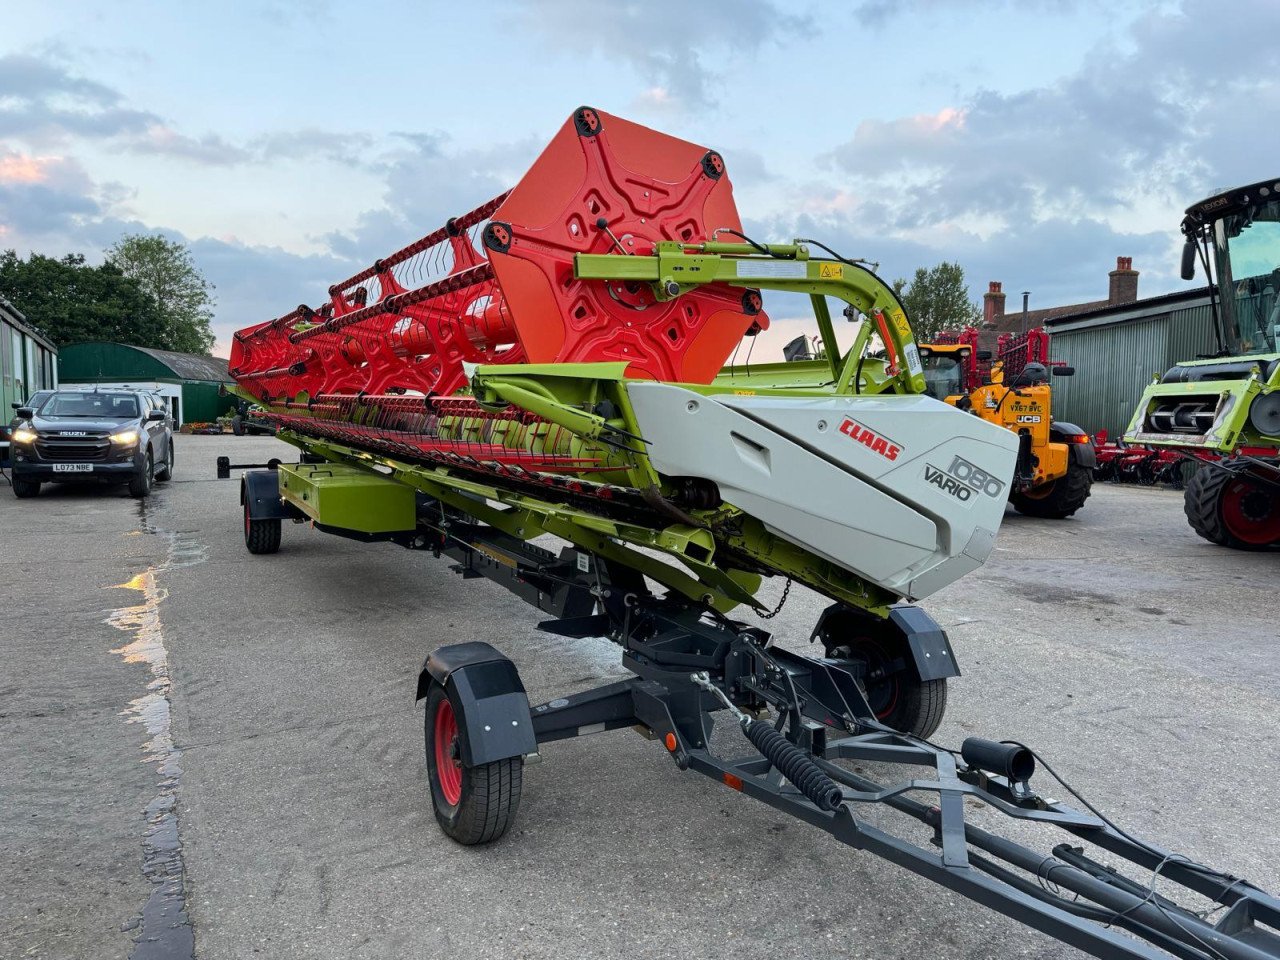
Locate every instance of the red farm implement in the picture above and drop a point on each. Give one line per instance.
(1137, 463)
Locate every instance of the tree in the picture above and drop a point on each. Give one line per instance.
(68, 300)
(937, 299)
(166, 272)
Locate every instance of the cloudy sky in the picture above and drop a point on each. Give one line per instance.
(291, 142)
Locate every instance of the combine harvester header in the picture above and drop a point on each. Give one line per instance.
(603, 185)
(551, 363)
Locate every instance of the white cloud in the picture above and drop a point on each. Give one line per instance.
(672, 45)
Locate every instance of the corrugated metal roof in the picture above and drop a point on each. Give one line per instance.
(1019, 322)
(14, 317)
(191, 366)
(1122, 312)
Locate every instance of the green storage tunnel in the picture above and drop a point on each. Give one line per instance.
(190, 382)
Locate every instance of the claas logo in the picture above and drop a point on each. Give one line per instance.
(870, 439)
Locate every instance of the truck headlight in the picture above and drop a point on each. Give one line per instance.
(23, 435)
(125, 438)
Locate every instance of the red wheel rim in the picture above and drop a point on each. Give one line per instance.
(1251, 512)
(448, 763)
(882, 698)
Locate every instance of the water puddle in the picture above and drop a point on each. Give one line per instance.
(164, 928)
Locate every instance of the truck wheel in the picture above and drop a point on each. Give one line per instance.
(166, 471)
(1232, 509)
(896, 696)
(140, 486)
(473, 804)
(24, 489)
(1057, 499)
(261, 536)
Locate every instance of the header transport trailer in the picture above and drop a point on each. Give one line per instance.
(549, 364)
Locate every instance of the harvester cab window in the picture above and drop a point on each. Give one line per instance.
(1248, 249)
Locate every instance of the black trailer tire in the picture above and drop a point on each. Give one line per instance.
(473, 805)
(1059, 498)
(166, 470)
(901, 699)
(237, 426)
(25, 489)
(261, 536)
(140, 485)
(921, 709)
(1214, 496)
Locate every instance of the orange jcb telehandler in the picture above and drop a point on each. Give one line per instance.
(1011, 389)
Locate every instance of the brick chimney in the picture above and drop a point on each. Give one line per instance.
(993, 304)
(1124, 282)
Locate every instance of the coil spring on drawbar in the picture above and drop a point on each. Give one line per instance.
(792, 762)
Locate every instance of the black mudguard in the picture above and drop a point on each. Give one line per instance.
(931, 655)
(485, 687)
(1081, 453)
(260, 489)
(930, 647)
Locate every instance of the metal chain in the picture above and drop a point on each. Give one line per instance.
(781, 603)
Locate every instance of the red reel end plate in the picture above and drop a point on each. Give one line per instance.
(607, 185)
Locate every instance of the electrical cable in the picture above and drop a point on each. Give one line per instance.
(1165, 858)
(870, 265)
(749, 350)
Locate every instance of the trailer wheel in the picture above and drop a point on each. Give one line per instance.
(897, 697)
(473, 804)
(1232, 509)
(1057, 499)
(260, 536)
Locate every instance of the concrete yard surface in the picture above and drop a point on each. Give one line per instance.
(199, 743)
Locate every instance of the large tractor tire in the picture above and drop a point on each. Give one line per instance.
(1057, 499)
(1233, 508)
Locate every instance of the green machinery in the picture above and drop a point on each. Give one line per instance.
(567, 381)
(1225, 409)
